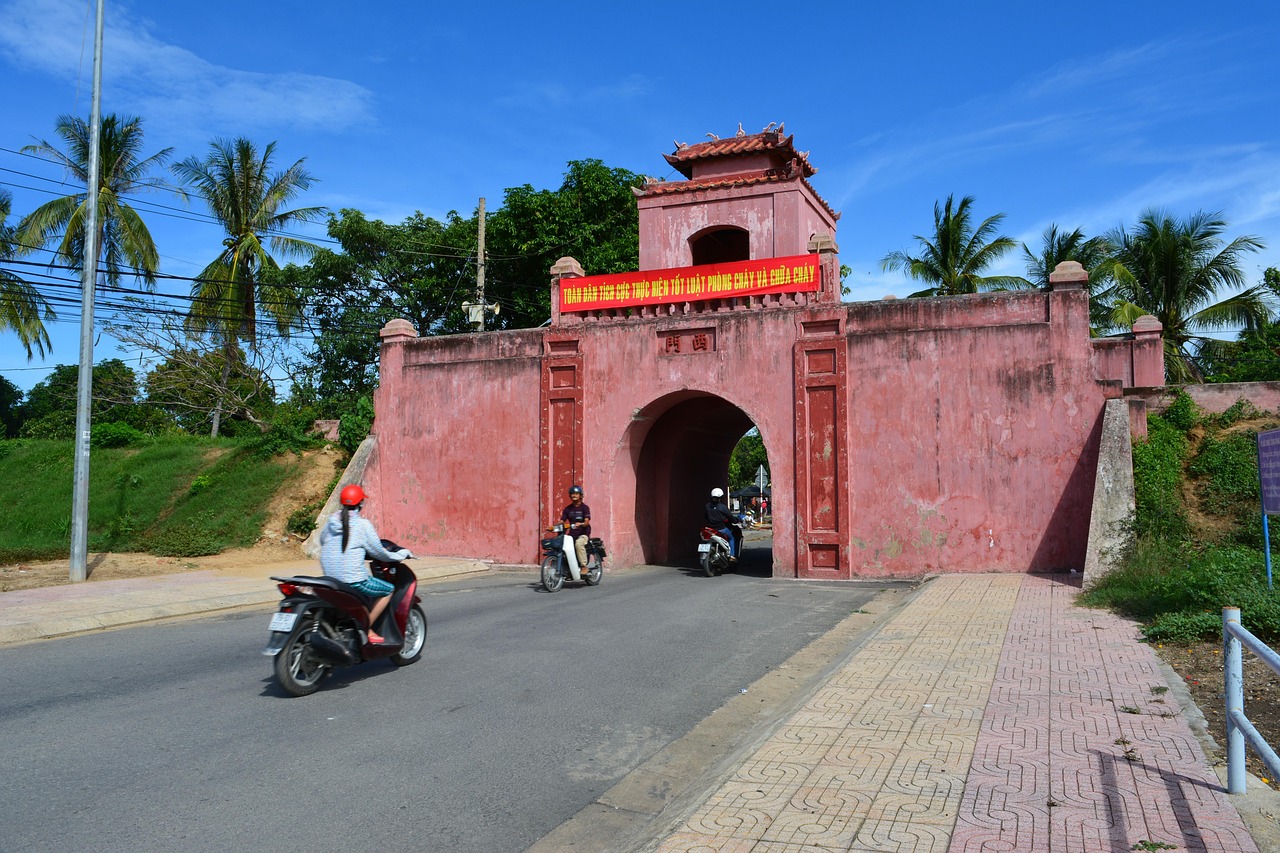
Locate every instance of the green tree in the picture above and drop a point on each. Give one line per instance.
(22, 308)
(49, 410)
(952, 260)
(10, 409)
(250, 202)
(1253, 357)
(421, 269)
(592, 217)
(124, 243)
(747, 457)
(1174, 270)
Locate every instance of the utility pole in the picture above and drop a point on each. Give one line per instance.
(476, 310)
(88, 279)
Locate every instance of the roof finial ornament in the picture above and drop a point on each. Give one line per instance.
(740, 132)
(769, 127)
(712, 136)
(782, 127)
(680, 146)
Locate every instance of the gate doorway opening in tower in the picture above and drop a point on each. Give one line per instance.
(681, 447)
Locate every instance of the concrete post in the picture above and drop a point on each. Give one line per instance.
(1113, 498)
(1148, 352)
(1233, 688)
(829, 265)
(563, 268)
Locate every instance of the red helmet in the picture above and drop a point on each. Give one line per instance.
(352, 495)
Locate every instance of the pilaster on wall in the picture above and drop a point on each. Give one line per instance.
(562, 432)
(1148, 352)
(563, 268)
(822, 453)
(391, 362)
(829, 264)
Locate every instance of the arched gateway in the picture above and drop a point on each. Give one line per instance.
(904, 436)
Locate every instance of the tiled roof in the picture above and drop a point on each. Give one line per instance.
(771, 141)
(769, 176)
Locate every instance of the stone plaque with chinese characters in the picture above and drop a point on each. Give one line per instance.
(686, 341)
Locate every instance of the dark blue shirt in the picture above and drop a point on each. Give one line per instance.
(577, 514)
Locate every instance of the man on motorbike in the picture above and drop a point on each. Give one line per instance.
(577, 524)
(719, 517)
(344, 542)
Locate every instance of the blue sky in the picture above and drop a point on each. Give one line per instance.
(1081, 115)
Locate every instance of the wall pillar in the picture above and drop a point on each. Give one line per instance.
(562, 440)
(563, 268)
(829, 265)
(395, 335)
(821, 487)
(1148, 352)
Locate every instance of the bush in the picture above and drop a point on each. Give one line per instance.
(289, 432)
(354, 426)
(1182, 412)
(1157, 476)
(1230, 470)
(114, 434)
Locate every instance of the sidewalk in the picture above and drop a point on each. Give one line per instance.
(56, 611)
(989, 714)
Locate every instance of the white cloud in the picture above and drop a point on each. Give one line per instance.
(542, 96)
(169, 84)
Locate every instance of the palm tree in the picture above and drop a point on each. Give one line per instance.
(1174, 269)
(123, 239)
(1091, 253)
(249, 201)
(21, 305)
(952, 261)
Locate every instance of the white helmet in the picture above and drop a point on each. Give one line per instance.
(717, 493)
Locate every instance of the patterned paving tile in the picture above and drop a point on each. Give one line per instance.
(990, 715)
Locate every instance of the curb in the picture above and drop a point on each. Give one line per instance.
(114, 613)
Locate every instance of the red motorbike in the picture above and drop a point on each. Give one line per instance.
(323, 624)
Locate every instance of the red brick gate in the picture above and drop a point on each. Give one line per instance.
(903, 436)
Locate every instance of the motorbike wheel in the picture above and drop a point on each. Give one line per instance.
(415, 638)
(707, 568)
(552, 576)
(593, 575)
(299, 670)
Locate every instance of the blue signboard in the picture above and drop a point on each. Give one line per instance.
(1269, 482)
(1269, 470)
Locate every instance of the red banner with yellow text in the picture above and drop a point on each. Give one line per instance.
(690, 284)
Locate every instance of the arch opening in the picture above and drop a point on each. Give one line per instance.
(680, 449)
(720, 244)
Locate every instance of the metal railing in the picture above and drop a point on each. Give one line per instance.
(1239, 729)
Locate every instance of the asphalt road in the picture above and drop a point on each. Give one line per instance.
(525, 707)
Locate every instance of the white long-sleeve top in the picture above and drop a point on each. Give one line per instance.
(349, 566)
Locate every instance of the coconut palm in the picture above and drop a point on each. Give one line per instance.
(1174, 269)
(124, 243)
(1090, 252)
(22, 308)
(953, 259)
(249, 201)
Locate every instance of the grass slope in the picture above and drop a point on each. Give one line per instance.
(178, 497)
(1199, 544)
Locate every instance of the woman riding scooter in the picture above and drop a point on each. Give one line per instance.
(343, 543)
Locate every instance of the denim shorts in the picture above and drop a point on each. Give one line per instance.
(375, 587)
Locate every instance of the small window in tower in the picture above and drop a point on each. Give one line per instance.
(720, 245)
